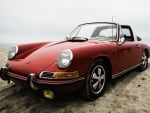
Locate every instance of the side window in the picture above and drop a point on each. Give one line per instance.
(127, 33)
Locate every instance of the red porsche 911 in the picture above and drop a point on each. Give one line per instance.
(87, 60)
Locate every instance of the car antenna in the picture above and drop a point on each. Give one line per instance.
(112, 19)
(112, 27)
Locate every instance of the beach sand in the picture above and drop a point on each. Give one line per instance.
(129, 93)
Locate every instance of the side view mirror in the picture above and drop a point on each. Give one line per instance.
(138, 38)
(67, 38)
(122, 40)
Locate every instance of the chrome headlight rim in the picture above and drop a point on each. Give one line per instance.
(12, 52)
(65, 61)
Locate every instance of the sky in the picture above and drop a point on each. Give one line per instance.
(24, 21)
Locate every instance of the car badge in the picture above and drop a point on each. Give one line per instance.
(28, 62)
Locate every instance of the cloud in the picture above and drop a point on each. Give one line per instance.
(36, 20)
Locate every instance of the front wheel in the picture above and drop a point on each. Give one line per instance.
(96, 80)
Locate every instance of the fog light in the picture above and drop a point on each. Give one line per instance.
(48, 94)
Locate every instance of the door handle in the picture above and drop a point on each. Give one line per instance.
(137, 46)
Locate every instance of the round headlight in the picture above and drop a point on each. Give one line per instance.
(12, 52)
(65, 58)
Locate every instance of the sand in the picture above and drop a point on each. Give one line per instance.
(129, 93)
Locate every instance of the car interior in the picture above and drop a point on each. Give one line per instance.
(105, 33)
(127, 32)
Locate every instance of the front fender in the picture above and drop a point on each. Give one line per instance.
(26, 49)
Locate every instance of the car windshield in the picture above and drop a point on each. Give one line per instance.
(98, 31)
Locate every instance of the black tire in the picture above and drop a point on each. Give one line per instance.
(144, 62)
(96, 80)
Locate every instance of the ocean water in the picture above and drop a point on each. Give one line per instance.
(7, 45)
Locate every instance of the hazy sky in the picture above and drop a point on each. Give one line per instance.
(23, 21)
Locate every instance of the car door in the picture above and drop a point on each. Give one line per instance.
(128, 52)
(128, 55)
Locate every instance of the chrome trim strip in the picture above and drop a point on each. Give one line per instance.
(17, 76)
(124, 71)
(60, 83)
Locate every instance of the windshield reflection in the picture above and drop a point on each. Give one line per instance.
(98, 31)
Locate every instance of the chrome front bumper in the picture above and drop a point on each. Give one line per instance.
(35, 82)
(48, 86)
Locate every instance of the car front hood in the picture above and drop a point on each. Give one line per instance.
(45, 56)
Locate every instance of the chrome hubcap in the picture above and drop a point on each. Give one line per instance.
(144, 60)
(97, 79)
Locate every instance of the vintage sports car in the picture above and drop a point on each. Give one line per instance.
(87, 60)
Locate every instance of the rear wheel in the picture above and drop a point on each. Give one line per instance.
(96, 80)
(144, 62)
